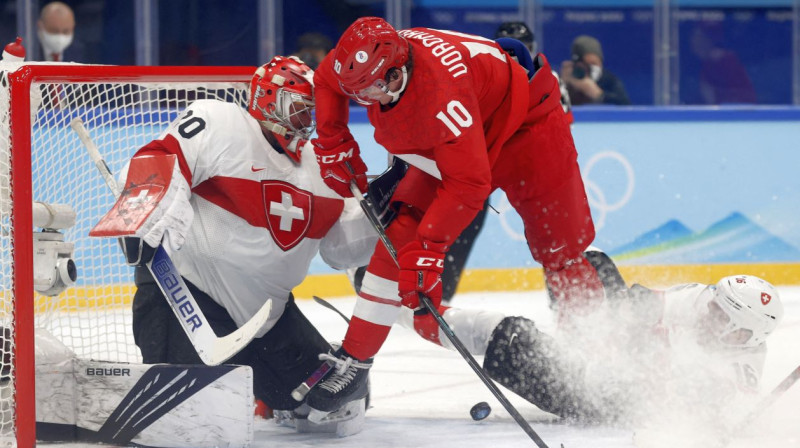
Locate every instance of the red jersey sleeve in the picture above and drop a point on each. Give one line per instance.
(332, 105)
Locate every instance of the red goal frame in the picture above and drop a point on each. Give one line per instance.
(20, 82)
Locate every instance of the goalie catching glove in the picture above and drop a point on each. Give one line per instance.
(153, 209)
(421, 266)
(340, 163)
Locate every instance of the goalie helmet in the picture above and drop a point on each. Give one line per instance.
(282, 100)
(367, 51)
(743, 310)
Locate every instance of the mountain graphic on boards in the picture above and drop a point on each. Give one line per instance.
(734, 238)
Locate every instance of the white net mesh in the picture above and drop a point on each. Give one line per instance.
(92, 317)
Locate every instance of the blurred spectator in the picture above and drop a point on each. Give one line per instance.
(587, 81)
(312, 47)
(56, 29)
(723, 78)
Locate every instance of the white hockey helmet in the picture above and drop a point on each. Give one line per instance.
(750, 309)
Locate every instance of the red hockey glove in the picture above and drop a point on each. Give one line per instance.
(421, 266)
(340, 163)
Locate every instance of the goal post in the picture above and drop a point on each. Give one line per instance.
(42, 160)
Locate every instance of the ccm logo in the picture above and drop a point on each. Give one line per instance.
(425, 262)
(335, 158)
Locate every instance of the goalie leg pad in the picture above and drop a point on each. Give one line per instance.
(281, 359)
(144, 405)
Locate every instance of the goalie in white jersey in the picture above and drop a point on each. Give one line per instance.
(243, 216)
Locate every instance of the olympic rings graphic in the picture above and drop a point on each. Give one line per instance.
(594, 193)
(597, 199)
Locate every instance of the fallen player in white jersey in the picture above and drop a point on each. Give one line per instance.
(242, 214)
(691, 353)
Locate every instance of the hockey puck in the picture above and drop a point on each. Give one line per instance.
(480, 411)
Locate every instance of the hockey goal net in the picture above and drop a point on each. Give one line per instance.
(45, 168)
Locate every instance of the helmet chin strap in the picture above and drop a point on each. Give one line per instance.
(396, 95)
(274, 127)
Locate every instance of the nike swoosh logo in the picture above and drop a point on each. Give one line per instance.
(552, 251)
(255, 170)
(511, 339)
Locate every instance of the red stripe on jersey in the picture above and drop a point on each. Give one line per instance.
(168, 146)
(244, 198)
(324, 214)
(377, 299)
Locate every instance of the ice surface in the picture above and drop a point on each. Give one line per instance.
(422, 394)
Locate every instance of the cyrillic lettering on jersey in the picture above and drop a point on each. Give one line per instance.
(448, 55)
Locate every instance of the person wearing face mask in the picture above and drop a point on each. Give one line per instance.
(56, 28)
(588, 82)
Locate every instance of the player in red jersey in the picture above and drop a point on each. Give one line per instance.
(466, 118)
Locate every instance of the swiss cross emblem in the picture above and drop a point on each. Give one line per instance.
(765, 298)
(288, 212)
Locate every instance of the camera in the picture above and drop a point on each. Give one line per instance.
(53, 267)
(578, 72)
(54, 270)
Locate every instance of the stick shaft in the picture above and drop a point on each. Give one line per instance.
(448, 331)
(94, 154)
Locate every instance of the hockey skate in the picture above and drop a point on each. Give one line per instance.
(345, 421)
(348, 382)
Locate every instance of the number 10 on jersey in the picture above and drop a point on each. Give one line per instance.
(459, 115)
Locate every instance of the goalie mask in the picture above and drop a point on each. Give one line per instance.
(364, 57)
(282, 100)
(742, 310)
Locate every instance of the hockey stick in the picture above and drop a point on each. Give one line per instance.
(211, 349)
(765, 402)
(330, 306)
(448, 331)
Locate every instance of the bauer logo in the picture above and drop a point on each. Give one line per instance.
(173, 287)
(115, 371)
(257, 96)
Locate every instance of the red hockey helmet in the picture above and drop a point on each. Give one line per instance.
(365, 53)
(282, 100)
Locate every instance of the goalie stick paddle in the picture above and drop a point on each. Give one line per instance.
(446, 329)
(211, 349)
